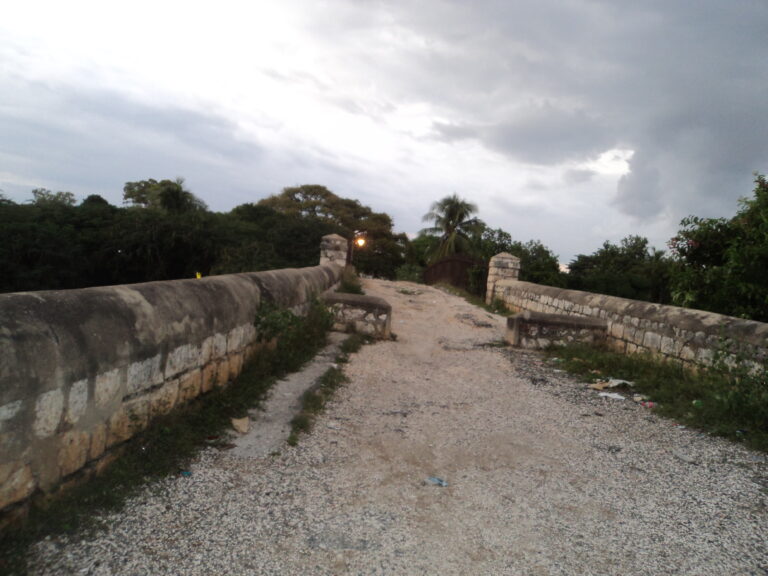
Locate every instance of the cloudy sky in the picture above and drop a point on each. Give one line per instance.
(569, 121)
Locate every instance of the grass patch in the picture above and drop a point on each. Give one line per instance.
(495, 307)
(171, 442)
(723, 401)
(313, 403)
(350, 282)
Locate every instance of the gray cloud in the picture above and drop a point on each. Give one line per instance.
(640, 192)
(99, 139)
(682, 84)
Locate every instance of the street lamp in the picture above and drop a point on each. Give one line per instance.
(359, 239)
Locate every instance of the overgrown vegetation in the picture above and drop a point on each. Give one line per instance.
(171, 441)
(350, 282)
(729, 402)
(313, 401)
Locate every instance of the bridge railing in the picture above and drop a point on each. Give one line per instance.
(83, 370)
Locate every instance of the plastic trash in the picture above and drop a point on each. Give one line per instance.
(437, 481)
(186, 473)
(648, 404)
(697, 403)
(611, 395)
(610, 383)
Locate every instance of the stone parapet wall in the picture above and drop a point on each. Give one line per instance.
(537, 331)
(690, 336)
(82, 371)
(360, 314)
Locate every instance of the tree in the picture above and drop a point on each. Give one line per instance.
(167, 195)
(44, 197)
(537, 262)
(629, 269)
(722, 264)
(383, 253)
(454, 224)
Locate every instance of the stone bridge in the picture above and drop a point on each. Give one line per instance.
(445, 453)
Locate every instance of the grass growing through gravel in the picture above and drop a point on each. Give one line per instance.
(495, 307)
(171, 441)
(732, 403)
(313, 401)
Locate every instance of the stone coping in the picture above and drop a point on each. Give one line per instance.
(556, 320)
(369, 303)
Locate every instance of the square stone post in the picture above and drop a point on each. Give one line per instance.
(501, 267)
(333, 250)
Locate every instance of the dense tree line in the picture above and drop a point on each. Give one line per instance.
(165, 232)
(714, 264)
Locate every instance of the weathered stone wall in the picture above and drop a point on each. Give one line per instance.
(360, 314)
(690, 336)
(537, 331)
(83, 370)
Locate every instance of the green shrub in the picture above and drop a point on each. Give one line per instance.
(350, 283)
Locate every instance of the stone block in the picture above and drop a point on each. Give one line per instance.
(77, 402)
(208, 377)
(652, 341)
(235, 365)
(222, 372)
(164, 399)
(190, 385)
(8, 412)
(219, 346)
(182, 359)
(107, 389)
(616, 330)
(240, 337)
(73, 451)
(206, 350)
(48, 412)
(144, 374)
(668, 346)
(132, 417)
(98, 441)
(16, 483)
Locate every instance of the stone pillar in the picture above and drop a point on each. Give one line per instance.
(333, 250)
(501, 267)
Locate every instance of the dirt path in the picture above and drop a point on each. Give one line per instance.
(543, 477)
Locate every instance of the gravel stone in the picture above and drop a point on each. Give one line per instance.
(543, 477)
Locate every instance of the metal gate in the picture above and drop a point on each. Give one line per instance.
(458, 270)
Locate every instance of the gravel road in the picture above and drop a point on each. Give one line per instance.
(543, 477)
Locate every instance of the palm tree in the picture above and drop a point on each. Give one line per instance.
(454, 224)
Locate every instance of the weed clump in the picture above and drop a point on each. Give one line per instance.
(313, 403)
(350, 282)
(725, 400)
